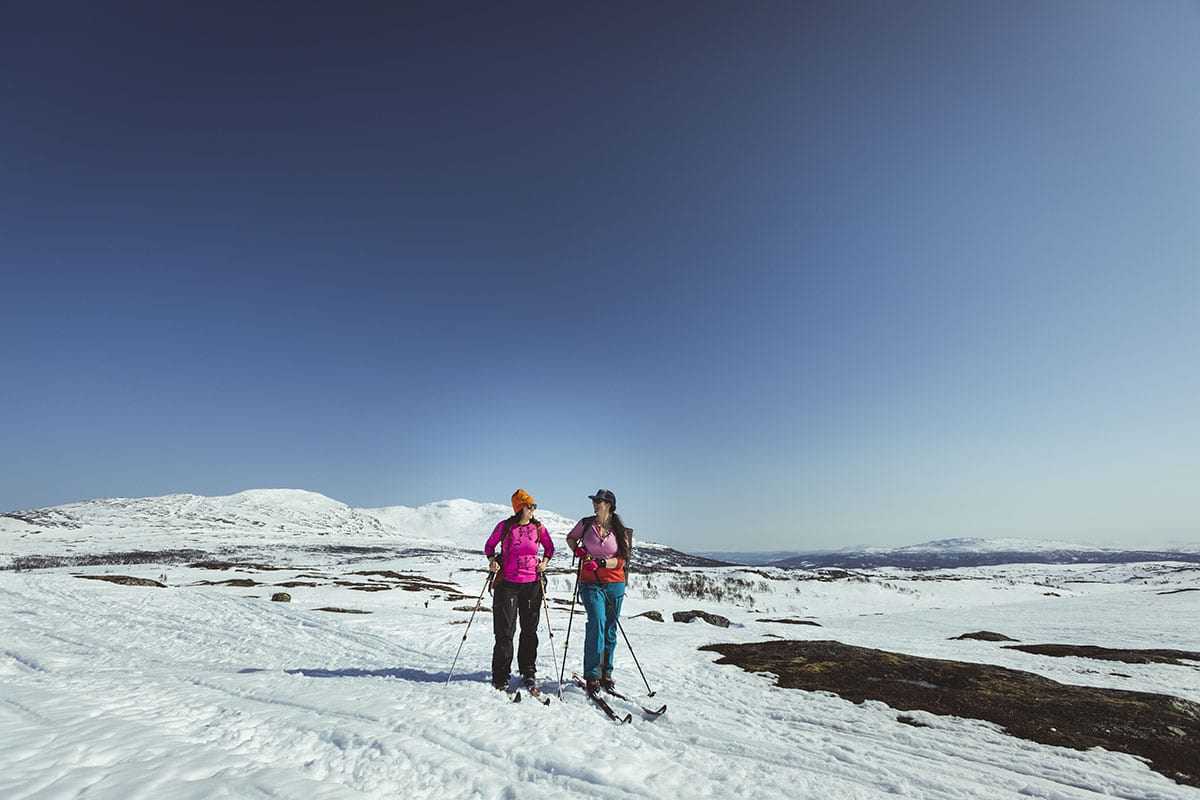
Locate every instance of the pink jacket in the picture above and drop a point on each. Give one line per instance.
(518, 561)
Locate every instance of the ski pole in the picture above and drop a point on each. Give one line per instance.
(550, 631)
(478, 603)
(570, 619)
(613, 610)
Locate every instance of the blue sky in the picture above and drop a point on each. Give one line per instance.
(781, 275)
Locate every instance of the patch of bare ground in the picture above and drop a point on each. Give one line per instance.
(985, 636)
(1163, 730)
(226, 565)
(1175, 657)
(124, 580)
(244, 582)
(792, 622)
(337, 610)
(26, 563)
(410, 582)
(364, 587)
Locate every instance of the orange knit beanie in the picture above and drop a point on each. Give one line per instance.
(520, 499)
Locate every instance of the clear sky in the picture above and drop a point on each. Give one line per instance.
(782, 275)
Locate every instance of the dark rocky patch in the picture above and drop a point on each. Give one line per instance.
(410, 582)
(905, 719)
(1180, 591)
(654, 615)
(1174, 657)
(1163, 730)
(792, 622)
(337, 610)
(49, 517)
(244, 582)
(281, 597)
(124, 580)
(226, 565)
(985, 636)
(711, 619)
(357, 550)
(666, 559)
(23, 563)
(294, 584)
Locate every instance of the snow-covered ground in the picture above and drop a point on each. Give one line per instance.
(202, 690)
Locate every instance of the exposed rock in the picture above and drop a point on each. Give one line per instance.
(793, 622)
(1161, 729)
(224, 565)
(281, 597)
(104, 559)
(907, 720)
(1108, 654)
(654, 615)
(342, 610)
(124, 580)
(244, 582)
(410, 582)
(711, 619)
(986, 636)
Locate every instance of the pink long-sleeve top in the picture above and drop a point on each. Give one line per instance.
(598, 545)
(519, 551)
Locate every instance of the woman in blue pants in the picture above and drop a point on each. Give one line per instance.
(602, 542)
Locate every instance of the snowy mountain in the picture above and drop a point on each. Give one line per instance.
(191, 525)
(188, 527)
(962, 552)
(461, 523)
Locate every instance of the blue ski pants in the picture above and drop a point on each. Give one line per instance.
(602, 601)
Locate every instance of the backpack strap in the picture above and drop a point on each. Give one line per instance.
(505, 541)
(585, 523)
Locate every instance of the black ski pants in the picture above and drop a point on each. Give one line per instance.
(510, 602)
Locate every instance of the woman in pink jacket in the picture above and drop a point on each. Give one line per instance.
(517, 588)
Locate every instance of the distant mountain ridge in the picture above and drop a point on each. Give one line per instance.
(258, 518)
(961, 552)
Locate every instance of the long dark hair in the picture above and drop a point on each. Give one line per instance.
(623, 536)
(511, 522)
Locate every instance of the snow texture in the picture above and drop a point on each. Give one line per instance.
(203, 690)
